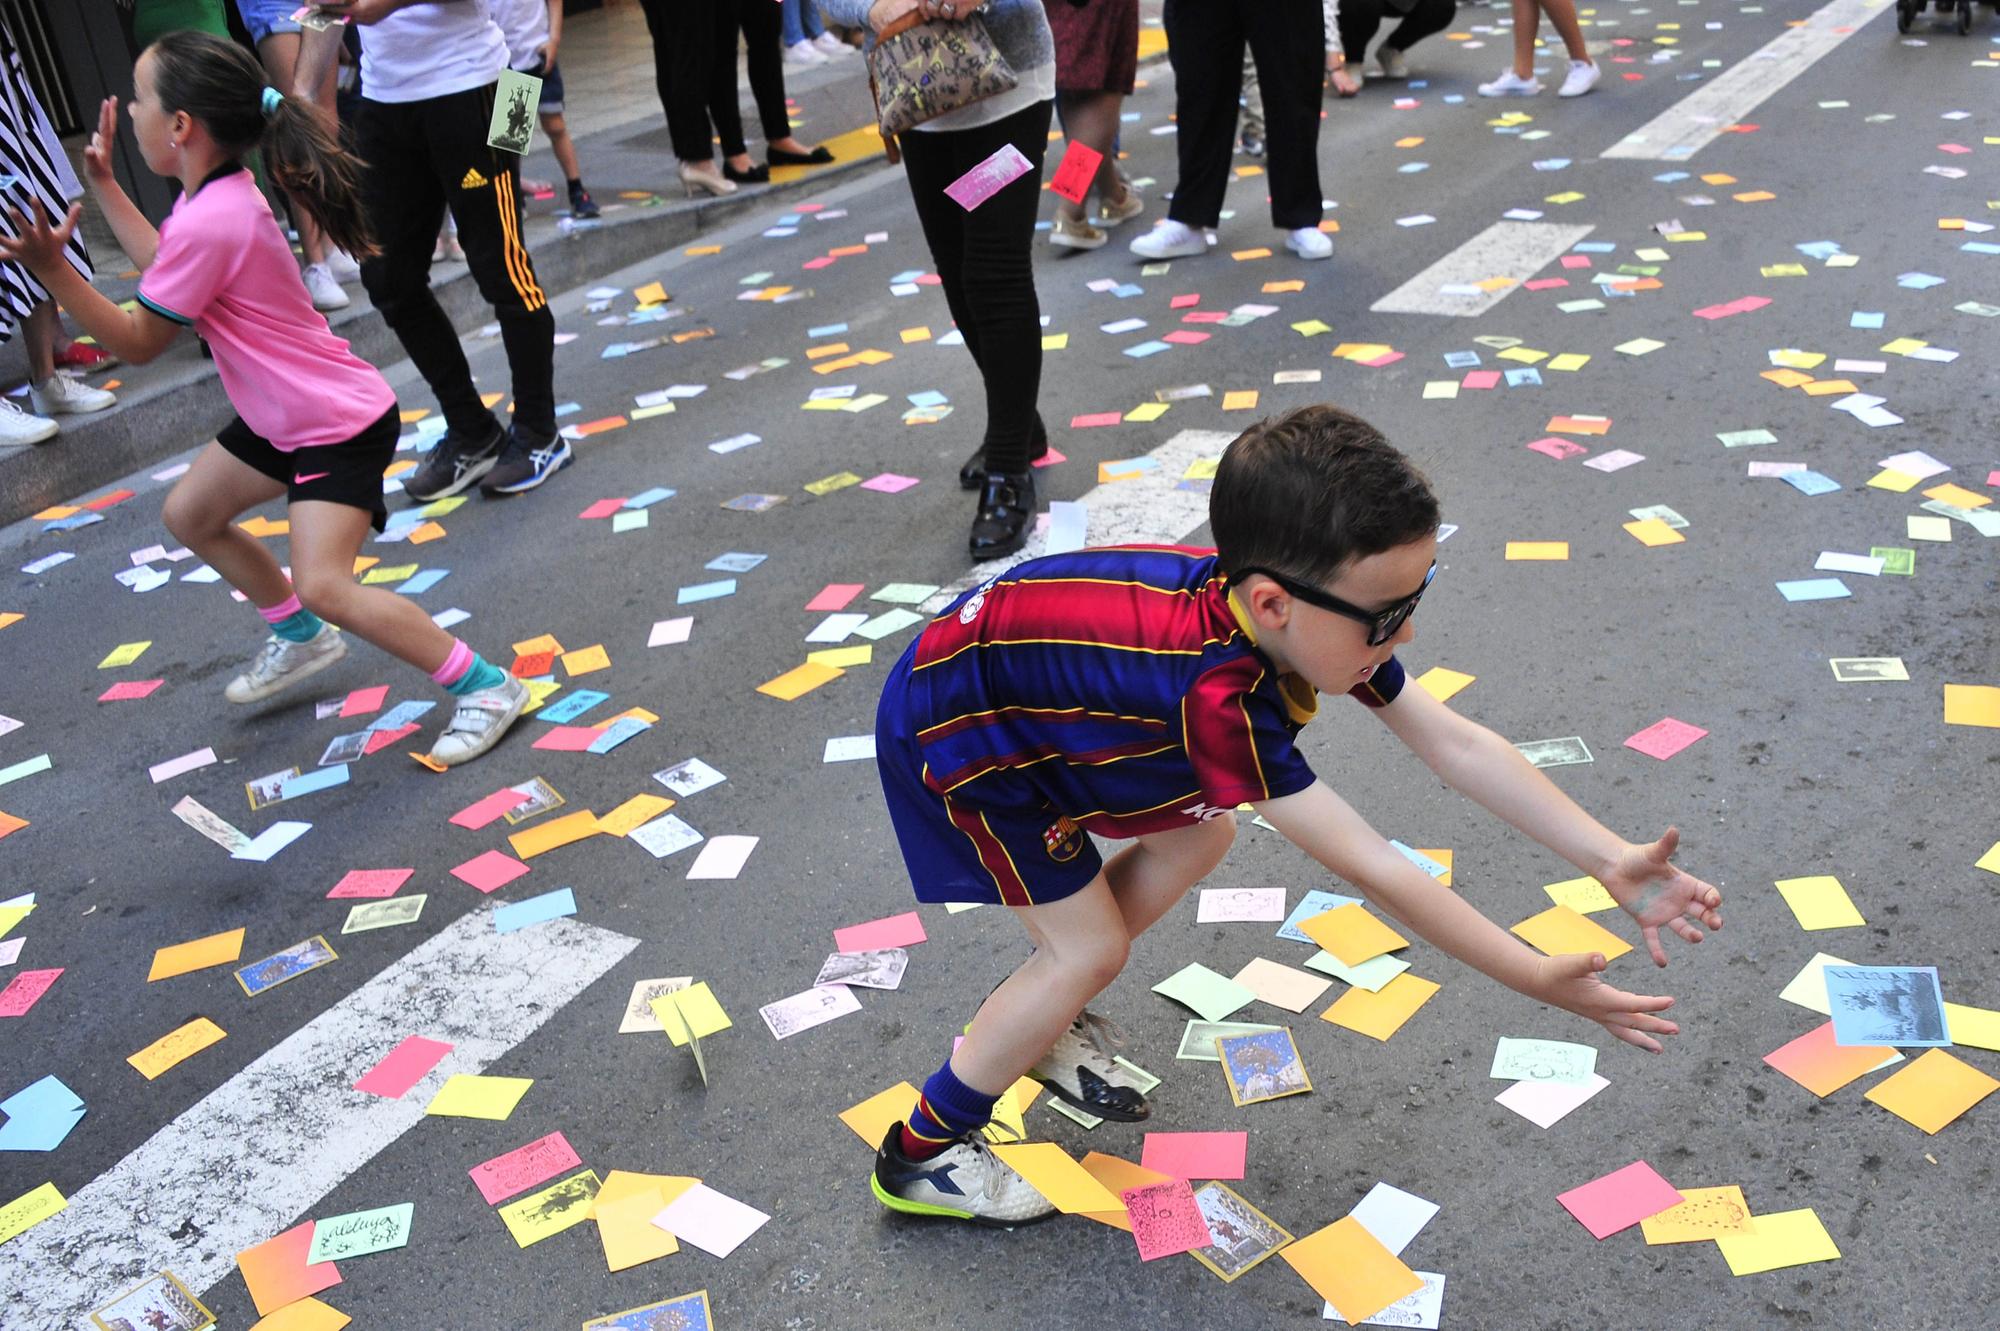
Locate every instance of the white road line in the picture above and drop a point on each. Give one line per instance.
(1695, 121)
(1148, 510)
(1513, 250)
(262, 1149)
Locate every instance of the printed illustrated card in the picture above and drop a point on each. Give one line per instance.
(161, 1303)
(1886, 1005)
(289, 964)
(515, 101)
(879, 968)
(1166, 1220)
(1262, 1066)
(1241, 1235)
(689, 1312)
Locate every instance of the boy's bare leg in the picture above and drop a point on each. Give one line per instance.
(1081, 944)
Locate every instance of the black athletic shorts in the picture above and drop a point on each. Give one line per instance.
(349, 472)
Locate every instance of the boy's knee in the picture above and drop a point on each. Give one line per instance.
(1099, 962)
(323, 591)
(188, 520)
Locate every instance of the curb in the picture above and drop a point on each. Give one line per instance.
(166, 417)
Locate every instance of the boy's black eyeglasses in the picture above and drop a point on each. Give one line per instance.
(1382, 624)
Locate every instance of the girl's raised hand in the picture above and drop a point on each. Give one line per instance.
(97, 156)
(37, 244)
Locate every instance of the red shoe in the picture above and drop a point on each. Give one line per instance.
(84, 357)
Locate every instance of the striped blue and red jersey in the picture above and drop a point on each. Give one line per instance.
(1120, 686)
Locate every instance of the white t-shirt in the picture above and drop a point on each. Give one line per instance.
(526, 24)
(431, 50)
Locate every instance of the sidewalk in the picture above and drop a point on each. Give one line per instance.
(615, 118)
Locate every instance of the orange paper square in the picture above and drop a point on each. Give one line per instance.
(1933, 1090)
(1559, 930)
(1381, 1015)
(1349, 1268)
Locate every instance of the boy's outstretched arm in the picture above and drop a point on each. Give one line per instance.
(1323, 825)
(1482, 765)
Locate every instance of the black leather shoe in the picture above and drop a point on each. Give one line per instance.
(780, 157)
(756, 175)
(973, 474)
(1006, 503)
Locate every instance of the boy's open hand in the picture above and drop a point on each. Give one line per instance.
(1570, 982)
(1658, 895)
(97, 156)
(38, 245)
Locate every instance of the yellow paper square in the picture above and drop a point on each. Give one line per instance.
(1585, 896)
(125, 654)
(799, 680)
(1783, 1238)
(1056, 1175)
(181, 1043)
(1262, 252)
(1148, 411)
(1279, 288)
(584, 660)
(1990, 861)
(1703, 1214)
(12, 915)
(872, 1118)
(1443, 684)
(1525, 355)
(1055, 341)
(1653, 531)
(631, 714)
(910, 335)
(1829, 387)
(1118, 1177)
(1787, 378)
(1933, 1090)
(841, 658)
(1820, 902)
(1442, 857)
(1542, 550)
(625, 1227)
(653, 293)
(1568, 360)
(1560, 930)
(214, 950)
(1352, 934)
(1349, 1268)
(635, 812)
(697, 1007)
(1957, 496)
(1381, 1014)
(1242, 399)
(548, 836)
(1926, 527)
(308, 1314)
(29, 1210)
(464, 1095)
(535, 646)
(1896, 482)
(1972, 1027)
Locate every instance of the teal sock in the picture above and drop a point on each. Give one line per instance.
(299, 626)
(481, 674)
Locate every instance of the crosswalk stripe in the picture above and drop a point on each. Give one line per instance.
(1465, 281)
(262, 1149)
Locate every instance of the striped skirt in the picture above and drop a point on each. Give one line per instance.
(32, 168)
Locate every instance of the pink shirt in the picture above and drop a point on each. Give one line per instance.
(223, 268)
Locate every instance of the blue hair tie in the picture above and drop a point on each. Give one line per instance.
(272, 98)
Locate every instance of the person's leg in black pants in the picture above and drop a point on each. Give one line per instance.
(719, 61)
(683, 35)
(985, 263)
(1287, 39)
(761, 21)
(1205, 47)
(1428, 18)
(1359, 22)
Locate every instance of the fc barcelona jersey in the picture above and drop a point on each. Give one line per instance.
(1119, 686)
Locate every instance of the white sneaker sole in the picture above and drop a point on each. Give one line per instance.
(46, 431)
(1063, 241)
(286, 681)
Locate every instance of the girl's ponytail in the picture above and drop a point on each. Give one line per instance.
(222, 85)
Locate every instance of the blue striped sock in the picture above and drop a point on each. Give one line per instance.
(946, 1110)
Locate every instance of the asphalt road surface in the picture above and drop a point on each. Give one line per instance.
(1798, 774)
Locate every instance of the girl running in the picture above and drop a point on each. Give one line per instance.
(316, 423)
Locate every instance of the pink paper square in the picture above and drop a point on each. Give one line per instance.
(1620, 1199)
(491, 870)
(1056, 455)
(1075, 172)
(1576, 261)
(1185, 337)
(1480, 379)
(25, 990)
(363, 701)
(1546, 283)
(1559, 449)
(1993, 478)
(889, 483)
(369, 883)
(1663, 739)
(1745, 304)
(382, 739)
(523, 1167)
(482, 812)
(1184, 302)
(987, 179)
(568, 739)
(277, 1272)
(1092, 421)
(603, 508)
(1193, 1155)
(894, 931)
(406, 1065)
(835, 596)
(1205, 317)
(1165, 1219)
(814, 265)
(1386, 358)
(128, 689)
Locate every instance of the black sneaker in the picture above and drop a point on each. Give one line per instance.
(526, 463)
(966, 1182)
(1006, 503)
(973, 474)
(580, 202)
(454, 463)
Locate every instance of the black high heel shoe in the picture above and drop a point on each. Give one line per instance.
(756, 175)
(780, 157)
(1006, 503)
(973, 473)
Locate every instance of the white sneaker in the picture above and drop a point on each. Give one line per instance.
(1392, 63)
(1510, 84)
(1170, 240)
(964, 1182)
(1582, 77)
(804, 55)
(832, 45)
(1309, 242)
(481, 719)
(284, 663)
(342, 265)
(18, 427)
(1065, 234)
(325, 292)
(64, 396)
(1080, 1070)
